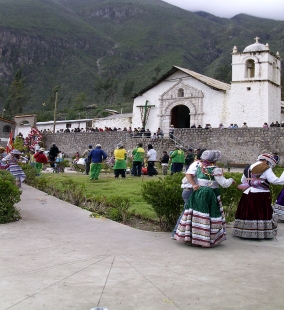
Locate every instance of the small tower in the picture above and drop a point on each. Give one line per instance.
(255, 86)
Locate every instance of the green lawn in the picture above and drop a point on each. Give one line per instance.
(108, 186)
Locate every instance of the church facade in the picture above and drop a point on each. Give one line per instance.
(184, 98)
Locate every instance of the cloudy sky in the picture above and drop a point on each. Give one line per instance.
(273, 9)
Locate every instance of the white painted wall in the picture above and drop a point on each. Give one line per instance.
(81, 123)
(215, 104)
(117, 120)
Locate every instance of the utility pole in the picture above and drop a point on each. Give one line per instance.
(55, 108)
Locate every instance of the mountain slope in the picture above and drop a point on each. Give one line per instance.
(108, 49)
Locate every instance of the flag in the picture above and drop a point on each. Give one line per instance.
(10, 145)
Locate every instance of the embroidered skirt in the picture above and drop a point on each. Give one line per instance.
(203, 221)
(255, 217)
(279, 205)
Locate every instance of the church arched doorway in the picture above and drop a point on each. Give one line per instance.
(180, 116)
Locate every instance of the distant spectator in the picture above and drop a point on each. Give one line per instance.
(160, 133)
(282, 124)
(154, 137)
(221, 126)
(165, 162)
(231, 126)
(265, 125)
(272, 125)
(171, 131)
(189, 159)
(235, 126)
(147, 133)
(193, 126)
(245, 125)
(199, 126)
(208, 126)
(277, 124)
(53, 152)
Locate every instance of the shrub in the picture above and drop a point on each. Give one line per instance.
(30, 173)
(10, 195)
(231, 196)
(165, 197)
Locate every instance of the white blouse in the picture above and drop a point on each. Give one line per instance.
(268, 175)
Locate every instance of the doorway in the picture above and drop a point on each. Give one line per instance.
(180, 116)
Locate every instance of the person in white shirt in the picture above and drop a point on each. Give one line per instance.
(151, 158)
(255, 217)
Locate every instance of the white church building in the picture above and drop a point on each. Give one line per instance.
(183, 97)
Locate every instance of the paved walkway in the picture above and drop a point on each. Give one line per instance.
(57, 257)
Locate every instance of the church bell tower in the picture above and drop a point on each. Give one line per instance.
(256, 85)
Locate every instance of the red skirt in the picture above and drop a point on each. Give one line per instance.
(255, 217)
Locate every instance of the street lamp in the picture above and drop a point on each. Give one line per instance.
(3, 112)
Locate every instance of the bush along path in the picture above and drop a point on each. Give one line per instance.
(10, 195)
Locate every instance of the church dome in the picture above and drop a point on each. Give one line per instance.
(256, 47)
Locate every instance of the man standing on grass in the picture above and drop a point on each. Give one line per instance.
(177, 158)
(97, 156)
(138, 158)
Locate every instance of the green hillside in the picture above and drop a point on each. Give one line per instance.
(100, 52)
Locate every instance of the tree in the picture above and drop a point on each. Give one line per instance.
(106, 88)
(18, 94)
(127, 89)
(80, 101)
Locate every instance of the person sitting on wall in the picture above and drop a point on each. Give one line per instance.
(160, 133)
(147, 133)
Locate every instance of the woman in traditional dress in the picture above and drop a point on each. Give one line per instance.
(120, 156)
(203, 221)
(12, 160)
(255, 217)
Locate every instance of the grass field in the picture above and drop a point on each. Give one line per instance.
(108, 186)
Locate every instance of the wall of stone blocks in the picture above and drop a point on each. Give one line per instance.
(237, 145)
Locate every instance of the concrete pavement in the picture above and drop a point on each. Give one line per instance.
(57, 257)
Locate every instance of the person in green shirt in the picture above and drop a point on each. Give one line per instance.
(177, 158)
(120, 156)
(138, 157)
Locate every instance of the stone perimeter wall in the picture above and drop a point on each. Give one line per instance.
(240, 145)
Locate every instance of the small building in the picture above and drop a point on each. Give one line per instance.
(6, 126)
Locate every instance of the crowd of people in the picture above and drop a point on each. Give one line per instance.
(202, 221)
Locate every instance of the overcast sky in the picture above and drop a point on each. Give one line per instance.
(273, 9)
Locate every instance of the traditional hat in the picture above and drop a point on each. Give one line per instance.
(119, 145)
(269, 158)
(98, 145)
(42, 149)
(211, 155)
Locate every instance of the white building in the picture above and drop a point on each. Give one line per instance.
(183, 97)
(25, 129)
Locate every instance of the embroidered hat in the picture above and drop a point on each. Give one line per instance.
(211, 155)
(269, 158)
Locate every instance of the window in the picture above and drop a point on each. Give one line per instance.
(180, 92)
(250, 66)
(68, 125)
(6, 128)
